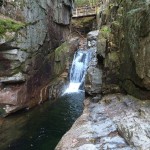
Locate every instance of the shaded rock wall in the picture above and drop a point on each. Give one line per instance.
(30, 32)
(124, 43)
(81, 26)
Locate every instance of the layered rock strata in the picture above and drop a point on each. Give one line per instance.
(30, 32)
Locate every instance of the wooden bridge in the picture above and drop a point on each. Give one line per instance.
(84, 12)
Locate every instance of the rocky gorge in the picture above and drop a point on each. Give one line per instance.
(116, 112)
(36, 49)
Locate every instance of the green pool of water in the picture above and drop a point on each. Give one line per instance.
(42, 127)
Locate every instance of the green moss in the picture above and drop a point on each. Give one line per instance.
(112, 61)
(82, 22)
(60, 51)
(80, 3)
(105, 31)
(61, 57)
(62, 47)
(106, 11)
(9, 25)
(2, 30)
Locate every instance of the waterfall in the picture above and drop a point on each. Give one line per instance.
(78, 70)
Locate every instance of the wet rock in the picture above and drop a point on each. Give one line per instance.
(11, 95)
(9, 109)
(54, 89)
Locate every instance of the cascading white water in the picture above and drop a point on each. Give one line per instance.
(78, 70)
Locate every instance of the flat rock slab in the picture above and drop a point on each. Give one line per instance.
(117, 122)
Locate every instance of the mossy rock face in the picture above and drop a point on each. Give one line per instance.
(129, 38)
(61, 58)
(112, 60)
(83, 3)
(135, 51)
(105, 31)
(9, 25)
(84, 25)
(82, 22)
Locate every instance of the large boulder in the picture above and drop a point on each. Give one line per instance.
(119, 122)
(93, 82)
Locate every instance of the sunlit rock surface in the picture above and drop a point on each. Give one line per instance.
(117, 122)
(30, 32)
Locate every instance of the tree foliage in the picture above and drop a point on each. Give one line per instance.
(79, 3)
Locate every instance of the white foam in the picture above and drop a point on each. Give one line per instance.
(73, 87)
(78, 70)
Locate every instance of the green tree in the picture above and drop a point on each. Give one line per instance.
(79, 3)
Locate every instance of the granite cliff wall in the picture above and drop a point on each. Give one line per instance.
(124, 43)
(30, 31)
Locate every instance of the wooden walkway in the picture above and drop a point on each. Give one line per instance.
(84, 12)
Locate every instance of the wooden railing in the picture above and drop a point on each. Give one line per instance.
(84, 11)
